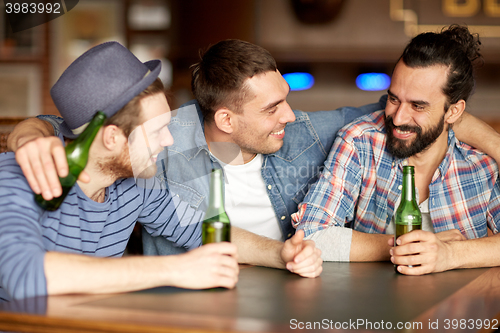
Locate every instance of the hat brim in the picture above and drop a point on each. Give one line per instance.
(154, 67)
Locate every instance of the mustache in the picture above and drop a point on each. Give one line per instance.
(405, 128)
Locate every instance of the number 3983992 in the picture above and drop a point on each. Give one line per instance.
(33, 8)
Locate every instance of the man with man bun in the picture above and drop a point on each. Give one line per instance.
(349, 211)
(240, 121)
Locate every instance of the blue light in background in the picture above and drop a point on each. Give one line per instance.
(373, 81)
(299, 81)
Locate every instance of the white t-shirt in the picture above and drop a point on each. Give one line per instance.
(246, 200)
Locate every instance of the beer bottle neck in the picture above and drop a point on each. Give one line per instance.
(216, 200)
(85, 139)
(408, 192)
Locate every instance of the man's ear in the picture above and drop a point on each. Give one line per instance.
(224, 120)
(112, 137)
(455, 112)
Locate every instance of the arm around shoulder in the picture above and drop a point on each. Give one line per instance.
(472, 131)
(28, 130)
(41, 155)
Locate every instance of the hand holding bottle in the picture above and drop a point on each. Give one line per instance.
(77, 154)
(43, 161)
(421, 252)
(210, 266)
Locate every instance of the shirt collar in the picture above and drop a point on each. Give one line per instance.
(445, 163)
(189, 130)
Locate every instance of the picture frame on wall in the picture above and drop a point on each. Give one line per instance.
(20, 85)
(90, 23)
(25, 44)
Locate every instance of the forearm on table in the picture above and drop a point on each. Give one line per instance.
(473, 131)
(370, 247)
(73, 273)
(474, 253)
(334, 243)
(345, 244)
(257, 250)
(28, 130)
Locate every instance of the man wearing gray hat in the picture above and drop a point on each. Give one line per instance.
(59, 252)
(271, 154)
(191, 158)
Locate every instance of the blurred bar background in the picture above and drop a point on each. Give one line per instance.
(333, 40)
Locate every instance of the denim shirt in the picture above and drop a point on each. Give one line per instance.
(287, 173)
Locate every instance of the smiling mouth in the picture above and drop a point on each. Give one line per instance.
(279, 132)
(402, 132)
(154, 157)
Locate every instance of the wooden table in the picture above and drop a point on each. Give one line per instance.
(357, 296)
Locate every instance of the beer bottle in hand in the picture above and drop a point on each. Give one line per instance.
(77, 154)
(408, 216)
(216, 226)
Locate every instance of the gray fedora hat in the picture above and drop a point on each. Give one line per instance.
(105, 78)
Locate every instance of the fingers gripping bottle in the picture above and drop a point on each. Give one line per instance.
(77, 154)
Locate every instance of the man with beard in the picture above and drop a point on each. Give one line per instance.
(60, 252)
(349, 211)
(241, 122)
(231, 73)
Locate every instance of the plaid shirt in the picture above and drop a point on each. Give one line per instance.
(362, 182)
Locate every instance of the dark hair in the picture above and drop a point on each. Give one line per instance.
(456, 48)
(218, 79)
(129, 117)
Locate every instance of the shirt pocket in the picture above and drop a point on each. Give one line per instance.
(187, 194)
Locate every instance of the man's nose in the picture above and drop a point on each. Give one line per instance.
(288, 116)
(402, 116)
(166, 138)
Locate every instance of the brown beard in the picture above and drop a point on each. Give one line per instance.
(423, 141)
(121, 167)
(116, 168)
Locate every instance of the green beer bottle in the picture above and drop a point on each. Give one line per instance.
(408, 216)
(77, 154)
(216, 227)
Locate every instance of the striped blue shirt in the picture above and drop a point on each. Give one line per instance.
(80, 225)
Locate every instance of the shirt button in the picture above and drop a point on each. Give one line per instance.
(400, 187)
(283, 217)
(269, 187)
(289, 235)
(405, 162)
(393, 163)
